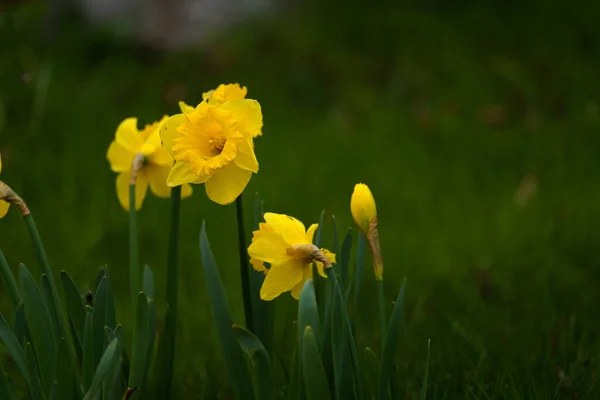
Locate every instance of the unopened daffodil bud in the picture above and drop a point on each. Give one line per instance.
(362, 205)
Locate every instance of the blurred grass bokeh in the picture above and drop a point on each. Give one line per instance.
(450, 113)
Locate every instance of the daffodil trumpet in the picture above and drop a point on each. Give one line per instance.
(10, 197)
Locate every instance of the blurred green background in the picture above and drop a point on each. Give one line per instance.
(476, 125)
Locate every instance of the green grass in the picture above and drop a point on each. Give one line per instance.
(399, 97)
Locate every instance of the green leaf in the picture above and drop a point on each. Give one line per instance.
(9, 280)
(294, 389)
(99, 320)
(151, 335)
(317, 387)
(148, 286)
(342, 369)
(140, 342)
(54, 392)
(234, 359)
(14, 349)
(115, 384)
(64, 372)
(5, 389)
(308, 314)
(75, 306)
(345, 257)
(36, 388)
(108, 362)
(20, 324)
(426, 376)
(259, 363)
(373, 370)
(391, 345)
(46, 292)
(39, 328)
(88, 349)
(319, 233)
(358, 270)
(110, 316)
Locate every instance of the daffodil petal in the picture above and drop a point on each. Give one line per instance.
(320, 266)
(157, 176)
(185, 108)
(119, 157)
(0, 163)
(168, 131)
(4, 206)
(181, 173)
(141, 187)
(281, 278)
(248, 115)
(227, 184)
(310, 233)
(258, 265)
(186, 190)
(267, 246)
(292, 230)
(246, 159)
(307, 274)
(128, 135)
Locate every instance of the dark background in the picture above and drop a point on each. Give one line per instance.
(476, 125)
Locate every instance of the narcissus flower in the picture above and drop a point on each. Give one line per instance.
(213, 143)
(157, 162)
(3, 204)
(285, 244)
(364, 212)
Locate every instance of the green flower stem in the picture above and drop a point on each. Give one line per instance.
(134, 258)
(9, 280)
(167, 347)
(382, 316)
(244, 272)
(60, 311)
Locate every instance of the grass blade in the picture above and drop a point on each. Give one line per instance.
(88, 350)
(9, 280)
(373, 370)
(20, 324)
(15, 350)
(345, 257)
(46, 292)
(99, 320)
(391, 345)
(426, 376)
(64, 372)
(108, 363)
(317, 387)
(4, 385)
(234, 359)
(148, 286)
(39, 328)
(75, 306)
(110, 318)
(259, 362)
(139, 349)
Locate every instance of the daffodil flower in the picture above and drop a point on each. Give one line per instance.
(213, 143)
(364, 212)
(3, 204)
(285, 244)
(157, 162)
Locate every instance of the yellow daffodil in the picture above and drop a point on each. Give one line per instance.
(213, 143)
(285, 244)
(364, 212)
(157, 162)
(362, 205)
(3, 204)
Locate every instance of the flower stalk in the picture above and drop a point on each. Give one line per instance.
(244, 270)
(134, 262)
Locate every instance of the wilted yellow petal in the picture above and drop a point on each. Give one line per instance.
(320, 267)
(4, 206)
(128, 135)
(168, 131)
(247, 114)
(119, 157)
(292, 230)
(282, 277)
(227, 184)
(141, 187)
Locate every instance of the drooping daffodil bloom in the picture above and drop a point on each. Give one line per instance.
(284, 243)
(3, 204)
(213, 143)
(157, 162)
